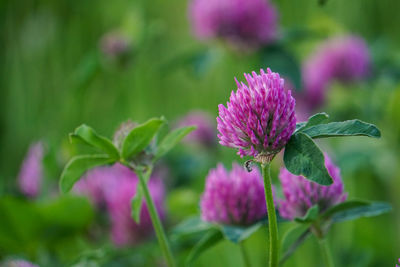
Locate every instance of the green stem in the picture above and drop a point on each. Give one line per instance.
(244, 255)
(160, 233)
(326, 253)
(272, 224)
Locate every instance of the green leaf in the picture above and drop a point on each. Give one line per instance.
(236, 234)
(171, 140)
(310, 216)
(292, 239)
(140, 137)
(20, 225)
(209, 240)
(374, 209)
(344, 128)
(351, 204)
(162, 133)
(300, 125)
(136, 202)
(58, 212)
(92, 257)
(77, 166)
(191, 226)
(303, 157)
(90, 137)
(315, 119)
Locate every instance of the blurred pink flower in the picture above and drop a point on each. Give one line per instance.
(344, 58)
(259, 117)
(114, 187)
(301, 194)
(96, 182)
(205, 134)
(244, 23)
(124, 230)
(31, 172)
(235, 197)
(303, 111)
(19, 263)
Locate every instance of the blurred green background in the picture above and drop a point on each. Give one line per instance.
(54, 77)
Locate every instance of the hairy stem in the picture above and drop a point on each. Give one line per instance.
(158, 228)
(326, 253)
(272, 224)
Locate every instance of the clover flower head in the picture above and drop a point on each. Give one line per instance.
(31, 172)
(233, 197)
(243, 23)
(301, 194)
(259, 118)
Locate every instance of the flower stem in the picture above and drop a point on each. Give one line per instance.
(326, 253)
(244, 255)
(272, 224)
(160, 233)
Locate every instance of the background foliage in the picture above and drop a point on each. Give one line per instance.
(54, 78)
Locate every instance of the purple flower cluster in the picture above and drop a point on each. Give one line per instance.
(343, 58)
(244, 23)
(260, 117)
(19, 263)
(97, 182)
(235, 198)
(113, 187)
(301, 194)
(124, 230)
(399, 263)
(205, 132)
(31, 172)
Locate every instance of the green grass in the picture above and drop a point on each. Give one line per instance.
(53, 79)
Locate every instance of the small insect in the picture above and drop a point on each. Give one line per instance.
(248, 165)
